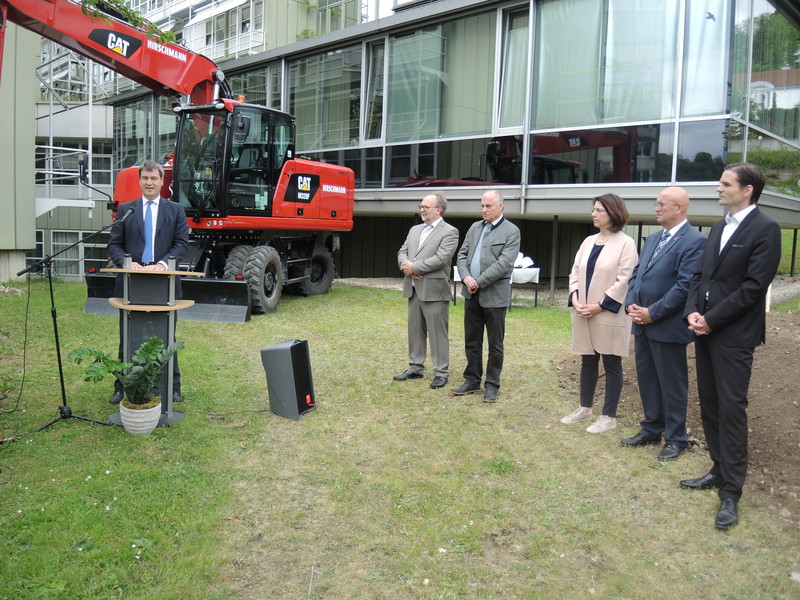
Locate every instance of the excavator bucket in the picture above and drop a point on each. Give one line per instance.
(215, 300)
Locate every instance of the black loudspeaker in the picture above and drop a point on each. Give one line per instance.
(289, 383)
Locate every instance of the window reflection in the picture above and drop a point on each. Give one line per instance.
(439, 80)
(367, 164)
(132, 132)
(604, 62)
(774, 84)
(325, 97)
(702, 150)
(780, 162)
(515, 60)
(617, 155)
(706, 45)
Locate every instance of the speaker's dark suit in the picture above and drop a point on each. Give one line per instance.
(729, 290)
(171, 239)
(661, 367)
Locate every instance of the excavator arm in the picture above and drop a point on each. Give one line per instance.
(167, 69)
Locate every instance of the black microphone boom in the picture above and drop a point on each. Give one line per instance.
(125, 216)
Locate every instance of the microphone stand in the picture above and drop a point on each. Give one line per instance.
(65, 412)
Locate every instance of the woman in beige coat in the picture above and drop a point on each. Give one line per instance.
(598, 285)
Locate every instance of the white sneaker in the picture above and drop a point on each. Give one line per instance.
(602, 424)
(581, 413)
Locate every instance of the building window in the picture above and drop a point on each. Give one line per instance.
(706, 66)
(37, 254)
(374, 107)
(253, 85)
(605, 62)
(66, 265)
(132, 132)
(702, 150)
(95, 250)
(440, 80)
(275, 99)
(775, 78)
(166, 128)
(334, 15)
(325, 96)
(514, 70)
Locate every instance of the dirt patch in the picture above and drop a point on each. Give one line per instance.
(773, 413)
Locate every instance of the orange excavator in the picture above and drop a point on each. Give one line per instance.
(257, 213)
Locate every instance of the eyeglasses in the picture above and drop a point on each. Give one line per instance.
(663, 204)
(423, 207)
(599, 210)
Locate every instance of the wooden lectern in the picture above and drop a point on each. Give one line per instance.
(149, 309)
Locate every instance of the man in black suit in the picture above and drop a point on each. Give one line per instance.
(657, 293)
(726, 311)
(169, 236)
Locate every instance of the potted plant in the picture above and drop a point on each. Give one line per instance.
(140, 410)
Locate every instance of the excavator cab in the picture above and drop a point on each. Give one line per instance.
(228, 159)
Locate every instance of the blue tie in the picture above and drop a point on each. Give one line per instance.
(147, 255)
(475, 265)
(661, 244)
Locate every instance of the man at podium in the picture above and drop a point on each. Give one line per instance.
(151, 229)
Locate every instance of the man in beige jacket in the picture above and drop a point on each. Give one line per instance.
(426, 258)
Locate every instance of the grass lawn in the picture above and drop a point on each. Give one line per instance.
(387, 491)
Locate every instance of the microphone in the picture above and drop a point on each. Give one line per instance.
(125, 216)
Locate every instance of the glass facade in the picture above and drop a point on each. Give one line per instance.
(133, 132)
(325, 98)
(572, 92)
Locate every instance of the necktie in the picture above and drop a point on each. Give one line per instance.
(147, 255)
(424, 235)
(661, 244)
(475, 265)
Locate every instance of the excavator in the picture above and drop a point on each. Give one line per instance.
(257, 212)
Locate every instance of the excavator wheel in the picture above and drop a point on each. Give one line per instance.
(236, 261)
(264, 276)
(322, 271)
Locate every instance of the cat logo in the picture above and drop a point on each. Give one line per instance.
(302, 188)
(118, 43)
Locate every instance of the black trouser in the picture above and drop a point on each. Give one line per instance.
(476, 318)
(723, 378)
(589, 374)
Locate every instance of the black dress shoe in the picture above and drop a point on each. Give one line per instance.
(176, 397)
(407, 375)
(490, 395)
(640, 439)
(438, 382)
(116, 398)
(727, 515)
(670, 452)
(467, 388)
(706, 482)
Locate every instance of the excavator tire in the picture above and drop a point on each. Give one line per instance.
(236, 261)
(264, 276)
(322, 272)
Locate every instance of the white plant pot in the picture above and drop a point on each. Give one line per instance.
(139, 422)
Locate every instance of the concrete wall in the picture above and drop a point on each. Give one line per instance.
(17, 132)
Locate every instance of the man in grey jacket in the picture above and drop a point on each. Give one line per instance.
(425, 258)
(485, 262)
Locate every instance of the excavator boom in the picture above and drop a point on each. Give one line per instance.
(166, 69)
